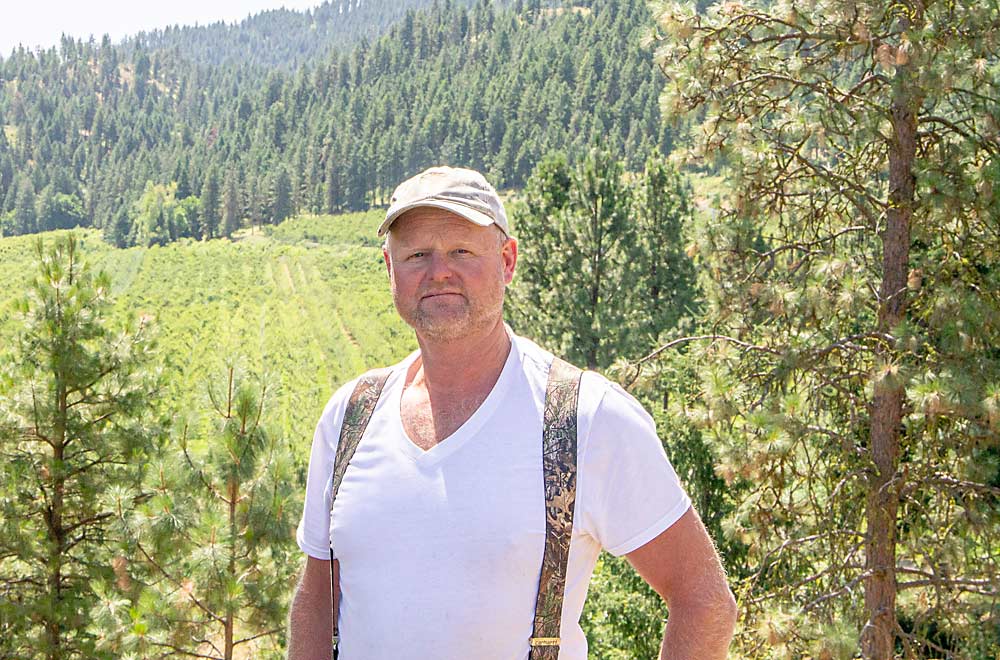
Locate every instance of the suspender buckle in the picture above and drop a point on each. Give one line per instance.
(544, 641)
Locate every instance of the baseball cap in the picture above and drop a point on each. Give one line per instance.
(461, 191)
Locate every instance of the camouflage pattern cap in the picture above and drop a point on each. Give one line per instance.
(461, 191)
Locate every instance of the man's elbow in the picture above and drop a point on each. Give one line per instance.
(714, 611)
(727, 609)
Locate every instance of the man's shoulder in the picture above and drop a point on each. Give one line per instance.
(336, 405)
(598, 394)
(533, 357)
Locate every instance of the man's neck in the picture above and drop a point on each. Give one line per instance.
(459, 366)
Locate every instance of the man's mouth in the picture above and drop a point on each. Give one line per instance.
(438, 294)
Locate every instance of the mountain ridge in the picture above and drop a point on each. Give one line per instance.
(91, 131)
(261, 39)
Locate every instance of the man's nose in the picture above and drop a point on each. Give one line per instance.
(439, 267)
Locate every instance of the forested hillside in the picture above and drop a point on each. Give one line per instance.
(283, 38)
(87, 127)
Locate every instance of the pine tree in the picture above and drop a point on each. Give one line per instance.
(281, 196)
(210, 205)
(25, 216)
(598, 253)
(653, 281)
(230, 205)
(663, 272)
(74, 400)
(332, 185)
(180, 175)
(851, 381)
(257, 202)
(214, 541)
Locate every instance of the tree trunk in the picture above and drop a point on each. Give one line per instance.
(57, 541)
(54, 518)
(879, 635)
(233, 493)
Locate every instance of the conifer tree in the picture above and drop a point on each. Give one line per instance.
(281, 196)
(331, 185)
(210, 205)
(212, 552)
(25, 216)
(230, 205)
(586, 259)
(74, 405)
(180, 175)
(664, 274)
(598, 253)
(851, 381)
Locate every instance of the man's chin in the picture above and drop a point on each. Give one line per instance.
(443, 327)
(443, 309)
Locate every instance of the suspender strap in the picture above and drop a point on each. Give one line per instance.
(359, 411)
(559, 467)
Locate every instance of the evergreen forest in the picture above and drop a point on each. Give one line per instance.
(775, 223)
(87, 126)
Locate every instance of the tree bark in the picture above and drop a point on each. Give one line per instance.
(56, 505)
(879, 635)
(57, 536)
(230, 620)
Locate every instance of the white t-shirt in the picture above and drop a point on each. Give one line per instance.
(440, 551)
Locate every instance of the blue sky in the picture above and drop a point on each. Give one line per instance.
(41, 22)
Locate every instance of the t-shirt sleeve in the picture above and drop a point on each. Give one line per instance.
(628, 491)
(313, 532)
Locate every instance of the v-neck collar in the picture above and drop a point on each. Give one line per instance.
(467, 431)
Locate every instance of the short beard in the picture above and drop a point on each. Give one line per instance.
(471, 319)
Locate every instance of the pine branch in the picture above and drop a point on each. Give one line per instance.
(177, 583)
(983, 587)
(715, 337)
(848, 587)
(191, 654)
(257, 636)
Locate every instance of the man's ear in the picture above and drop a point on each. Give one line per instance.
(388, 261)
(509, 256)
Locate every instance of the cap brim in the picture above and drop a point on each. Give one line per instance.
(470, 214)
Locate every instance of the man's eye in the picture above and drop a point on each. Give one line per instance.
(416, 255)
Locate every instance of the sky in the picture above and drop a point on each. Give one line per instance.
(41, 22)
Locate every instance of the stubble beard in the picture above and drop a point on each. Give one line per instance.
(462, 318)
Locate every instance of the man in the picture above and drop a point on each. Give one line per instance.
(439, 521)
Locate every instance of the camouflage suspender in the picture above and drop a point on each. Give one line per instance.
(559, 473)
(559, 468)
(359, 411)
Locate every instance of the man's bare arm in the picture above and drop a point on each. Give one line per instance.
(682, 565)
(310, 625)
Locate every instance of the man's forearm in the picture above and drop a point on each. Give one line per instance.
(701, 633)
(310, 626)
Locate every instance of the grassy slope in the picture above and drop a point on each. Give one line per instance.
(306, 302)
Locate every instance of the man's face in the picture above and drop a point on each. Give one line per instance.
(448, 275)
